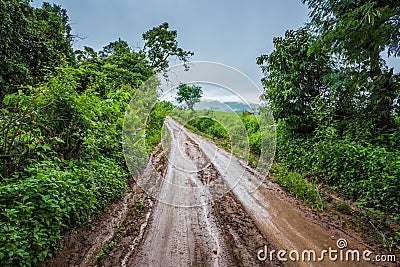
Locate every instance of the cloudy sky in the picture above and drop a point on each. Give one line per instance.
(230, 32)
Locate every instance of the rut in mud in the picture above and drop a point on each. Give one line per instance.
(185, 229)
(199, 214)
(242, 239)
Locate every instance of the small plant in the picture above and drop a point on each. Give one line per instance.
(343, 207)
(100, 254)
(105, 250)
(110, 245)
(139, 206)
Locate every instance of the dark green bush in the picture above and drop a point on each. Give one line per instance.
(49, 196)
(367, 173)
(155, 123)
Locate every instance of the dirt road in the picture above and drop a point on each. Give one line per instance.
(210, 211)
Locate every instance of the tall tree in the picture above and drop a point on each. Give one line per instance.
(118, 47)
(32, 43)
(357, 32)
(190, 94)
(115, 66)
(294, 79)
(161, 45)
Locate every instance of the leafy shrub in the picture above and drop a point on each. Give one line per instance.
(366, 173)
(155, 123)
(62, 158)
(49, 196)
(255, 142)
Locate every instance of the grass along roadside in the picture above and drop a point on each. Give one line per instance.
(226, 129)
(296, 184)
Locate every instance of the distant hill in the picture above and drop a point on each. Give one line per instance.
(225, 106)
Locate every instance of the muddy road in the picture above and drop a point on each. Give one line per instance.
(209, 210)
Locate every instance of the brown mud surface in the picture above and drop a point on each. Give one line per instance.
(202, 215)
(242, 238)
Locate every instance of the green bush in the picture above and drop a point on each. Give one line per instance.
(367, 173)
(255, 142)
(297, 185)
(62, 158)
(49, 196)
(155, 123)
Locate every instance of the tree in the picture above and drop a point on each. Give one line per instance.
(332, 75)
(190, 94)
(115, 66)
(294, 79)
(356, 33)
(160, 45)
(118, 47)
(33, 42)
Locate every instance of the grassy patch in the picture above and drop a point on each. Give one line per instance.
(227, 129)
(299, 186)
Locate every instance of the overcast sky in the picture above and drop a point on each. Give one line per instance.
(230, 32)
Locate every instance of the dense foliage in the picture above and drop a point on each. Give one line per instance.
(62, 113)
(33, 42)
(155, 123)
(61, 153)
(337, 102)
